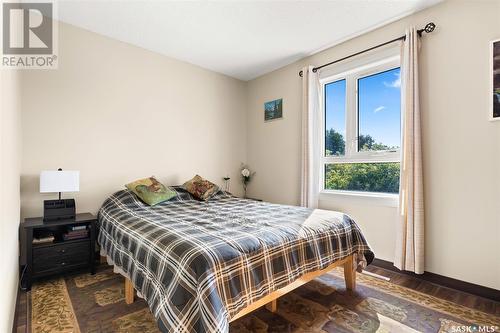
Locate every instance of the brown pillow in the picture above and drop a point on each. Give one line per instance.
(200, 188)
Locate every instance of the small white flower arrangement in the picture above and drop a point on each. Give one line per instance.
(245, 172)
(246, 176)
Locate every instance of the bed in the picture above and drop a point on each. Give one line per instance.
(201, 264)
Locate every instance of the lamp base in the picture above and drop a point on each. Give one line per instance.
(54, 210)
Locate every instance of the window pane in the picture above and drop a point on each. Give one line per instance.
(335, 118)
(379, 111)
(369, 177)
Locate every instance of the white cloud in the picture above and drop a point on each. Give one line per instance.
(394, 84)
(380, 108)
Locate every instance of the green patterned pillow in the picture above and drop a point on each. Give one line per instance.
(151, 191)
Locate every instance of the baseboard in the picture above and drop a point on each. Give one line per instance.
(445, 281)
(15, 322)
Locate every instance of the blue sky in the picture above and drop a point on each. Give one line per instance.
(379, 106)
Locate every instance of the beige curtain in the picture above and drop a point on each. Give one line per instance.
(310, 138)
(410, 230)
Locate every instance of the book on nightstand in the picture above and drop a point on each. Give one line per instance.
(76, 232)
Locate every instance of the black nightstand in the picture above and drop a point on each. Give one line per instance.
(61, 255)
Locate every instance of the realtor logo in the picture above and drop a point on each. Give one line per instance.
(28, 35)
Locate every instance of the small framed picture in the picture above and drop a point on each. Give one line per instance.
(273, 110)
(495, 80)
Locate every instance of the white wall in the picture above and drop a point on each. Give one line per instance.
(10, 164)
(461, 147)
(117, 113)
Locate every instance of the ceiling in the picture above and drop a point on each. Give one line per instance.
(242, 39)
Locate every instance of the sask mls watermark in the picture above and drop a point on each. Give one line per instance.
(29, 38)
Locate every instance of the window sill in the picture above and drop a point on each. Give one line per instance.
(360, 198)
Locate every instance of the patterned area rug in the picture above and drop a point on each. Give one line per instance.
(95, 304)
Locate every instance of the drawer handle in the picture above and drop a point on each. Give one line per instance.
(63, 251)
(63, 263)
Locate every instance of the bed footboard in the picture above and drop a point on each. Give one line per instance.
(271, 301)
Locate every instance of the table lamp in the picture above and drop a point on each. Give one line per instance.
(59, 181)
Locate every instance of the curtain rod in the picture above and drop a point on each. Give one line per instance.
(429, 27)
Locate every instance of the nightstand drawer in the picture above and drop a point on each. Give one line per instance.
(75, 248)
(60, 257)
(56, 265)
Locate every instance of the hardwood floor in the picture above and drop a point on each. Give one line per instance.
(23, 324)
(21, 315)
(465, 299)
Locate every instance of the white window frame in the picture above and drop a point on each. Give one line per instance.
(378, 62)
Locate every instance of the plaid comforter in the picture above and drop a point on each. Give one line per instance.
(197, 264)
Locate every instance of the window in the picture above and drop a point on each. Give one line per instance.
(335, 118)
(362, 129)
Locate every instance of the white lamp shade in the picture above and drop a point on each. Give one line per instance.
(59, 181)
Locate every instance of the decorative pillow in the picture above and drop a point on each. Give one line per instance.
(201, 188)
(151, 191)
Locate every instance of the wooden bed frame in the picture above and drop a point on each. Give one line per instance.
(270, 301)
